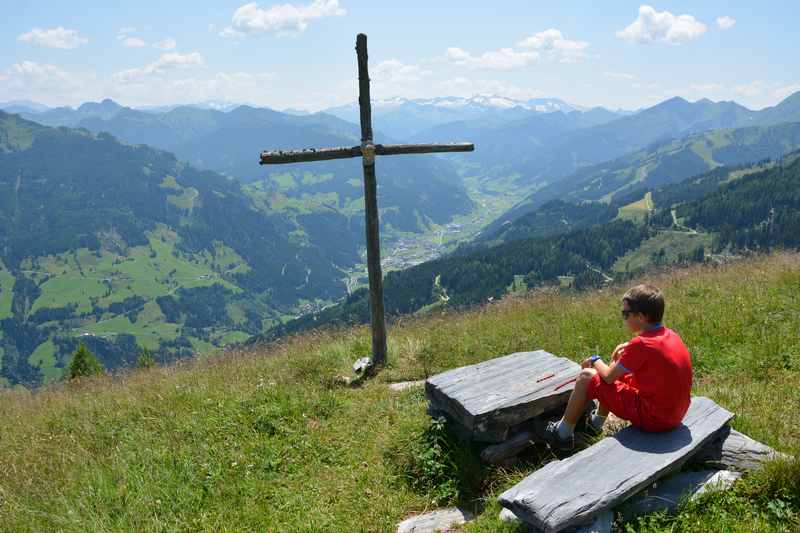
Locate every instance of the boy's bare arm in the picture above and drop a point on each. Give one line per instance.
(608, 373)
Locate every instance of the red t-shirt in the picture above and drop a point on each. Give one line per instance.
(661, 369)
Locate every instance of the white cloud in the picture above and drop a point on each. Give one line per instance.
(750, 89)
(503, 59)
(126, 29)
(38, 73)
(133, 42)
(652, 26)
(726, 22)
(250, 19)
(166, 62)
(53, 38)
(706, 88)
(621, 76)
(553, 41)
(788, 90)
(463, 86)
(168, 43)
(394, 71)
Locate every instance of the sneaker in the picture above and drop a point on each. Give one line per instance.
(588, 428)
(549, 434)
(584, 424)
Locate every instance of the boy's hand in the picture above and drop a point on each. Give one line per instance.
(618, 351)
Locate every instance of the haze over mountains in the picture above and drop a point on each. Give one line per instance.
(130, 227)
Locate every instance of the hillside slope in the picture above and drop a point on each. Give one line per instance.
(415, 190)
(125, 245)
(269, 441)
(725, 213)
(662, 163)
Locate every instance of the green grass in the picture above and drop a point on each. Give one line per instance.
(270, 440)
(6, 291)
(673, 243)
(637, 211)
(44, 357)
(112, 276)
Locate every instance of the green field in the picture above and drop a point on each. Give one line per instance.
(271, 439)
(91, 280)
(45, 358)
(6, 291)
(665, 248)
(637, 211)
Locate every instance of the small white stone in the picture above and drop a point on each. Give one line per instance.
(362, 364)
(403, 385)
(440, 520)
(506, 515)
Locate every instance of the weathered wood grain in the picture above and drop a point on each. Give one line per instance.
(735, 451)
(432, 148)
(490, 397)
(279, 157)
(573, 490)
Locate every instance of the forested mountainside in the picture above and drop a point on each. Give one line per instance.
(415, 191)
(722, 212)
(540, 150)
(662, 163)
(126, 247)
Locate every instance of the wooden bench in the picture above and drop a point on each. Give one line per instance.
(574, 490)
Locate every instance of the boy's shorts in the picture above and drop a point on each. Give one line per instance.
(620, 397)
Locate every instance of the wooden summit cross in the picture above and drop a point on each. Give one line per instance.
(367, 150)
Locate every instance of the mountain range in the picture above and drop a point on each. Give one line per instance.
(129, 228)
(414, 191)
(728, 210)
(405, 118)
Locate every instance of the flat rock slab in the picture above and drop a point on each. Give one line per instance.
(440, 520)
(490, 397)
(497, 453)
(685, 486)
(602, 523)
(736, 451)
(572, 491)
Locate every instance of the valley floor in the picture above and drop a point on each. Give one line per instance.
(272, 440)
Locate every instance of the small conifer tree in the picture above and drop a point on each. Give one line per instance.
(84, 363)
(146, 359)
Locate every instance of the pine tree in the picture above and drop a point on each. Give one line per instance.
(84, 363)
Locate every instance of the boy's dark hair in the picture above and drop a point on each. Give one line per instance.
(647, 300)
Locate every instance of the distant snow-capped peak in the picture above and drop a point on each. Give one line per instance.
(542, 105)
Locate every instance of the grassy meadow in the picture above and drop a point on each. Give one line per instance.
(271, 439)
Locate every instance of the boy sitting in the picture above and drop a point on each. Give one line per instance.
(648, 381)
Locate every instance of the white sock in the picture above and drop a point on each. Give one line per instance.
(565, 429)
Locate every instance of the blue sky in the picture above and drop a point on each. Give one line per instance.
(300, 54)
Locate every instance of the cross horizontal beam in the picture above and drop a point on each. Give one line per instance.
(277, 157)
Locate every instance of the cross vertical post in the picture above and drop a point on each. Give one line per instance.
(367, 151)
(377, 320)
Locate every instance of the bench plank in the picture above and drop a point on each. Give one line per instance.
(488, 398)
(574, 490)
